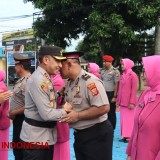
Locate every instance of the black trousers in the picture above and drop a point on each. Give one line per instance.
(112, 112)
(17, 126)
(94, 143)
(38, 154)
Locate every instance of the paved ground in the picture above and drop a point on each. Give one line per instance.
(118, 147)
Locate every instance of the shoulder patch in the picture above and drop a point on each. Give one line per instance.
(86, 76)
(44, 86)
(116, 73)
(92, 87)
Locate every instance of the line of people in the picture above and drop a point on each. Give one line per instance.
(43, 107)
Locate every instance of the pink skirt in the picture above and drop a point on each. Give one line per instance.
(4, 137)
(126, 121)
(62, 151)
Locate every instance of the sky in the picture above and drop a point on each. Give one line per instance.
(10, 8)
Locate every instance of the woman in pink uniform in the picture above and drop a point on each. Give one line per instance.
(62, 147)
(4, 120)
(145, 140)
(94, 69)
(127, 98)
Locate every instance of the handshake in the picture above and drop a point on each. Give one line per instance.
(71, 116)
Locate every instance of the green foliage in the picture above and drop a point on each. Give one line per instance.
(109, 26)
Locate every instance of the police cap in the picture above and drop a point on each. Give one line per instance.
(73, 55)
(54, 51)
(20, 58)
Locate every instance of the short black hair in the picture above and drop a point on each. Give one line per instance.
(26, 66)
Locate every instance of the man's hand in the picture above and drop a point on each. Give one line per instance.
(70, 117)
(61, 91)
(128, 158)
(5, 95)
(11, 115)
(131, 106)
(113, 100)
(67, 107)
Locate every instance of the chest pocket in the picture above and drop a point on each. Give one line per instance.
(77, 101)
(109, 77)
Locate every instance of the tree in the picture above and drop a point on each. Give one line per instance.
(110, 23)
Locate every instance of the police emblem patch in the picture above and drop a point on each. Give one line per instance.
(43, 86)
(92, 87)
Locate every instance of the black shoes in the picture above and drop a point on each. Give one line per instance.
(123, 140)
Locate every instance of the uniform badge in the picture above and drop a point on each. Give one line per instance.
(116, 74)
(46, 75)
(43, 86)
(52, 104)
(47, 81)
(77, 89)
(92, 87)
(52, 96)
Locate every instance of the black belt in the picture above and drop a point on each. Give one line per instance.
(32, 122)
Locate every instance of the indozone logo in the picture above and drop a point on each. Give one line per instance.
(25, 145)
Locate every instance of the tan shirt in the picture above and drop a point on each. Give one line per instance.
(109, 78)
(40, 104)
(86, 91)
(18, 98)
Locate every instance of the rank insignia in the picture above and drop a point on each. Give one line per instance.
(77, 89)
(92, 87)
(116, 74)
(50, 87)
(47, 81)
(44, 86)
(46, 75)
(52, 96)
(52, 104)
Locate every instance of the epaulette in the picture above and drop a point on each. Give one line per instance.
(86, 76)
(115, 68)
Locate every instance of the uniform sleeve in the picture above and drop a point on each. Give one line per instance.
(42, 101)
(116, 76)
(96, 93)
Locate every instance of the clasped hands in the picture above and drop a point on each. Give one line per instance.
(71, 116)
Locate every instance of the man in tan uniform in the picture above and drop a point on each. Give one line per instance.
(22, 67)
(110, 77)
(40, 106)
(86, 94)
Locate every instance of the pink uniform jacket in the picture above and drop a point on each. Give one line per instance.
(4, 120)
(94, 69)
(62, 128)
(128, 85)
(145, 139)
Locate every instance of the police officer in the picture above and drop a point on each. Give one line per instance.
(86, 94)
(22, 68)
(40, 108)
(110, 77)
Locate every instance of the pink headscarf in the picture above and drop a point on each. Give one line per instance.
(94, 69)
(128, 64)
(4, 108)
(152, 72)
(2, 75)
(57, 81)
